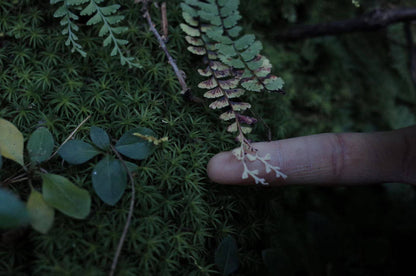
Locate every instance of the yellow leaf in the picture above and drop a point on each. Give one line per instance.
(11, 142)
(41, 215)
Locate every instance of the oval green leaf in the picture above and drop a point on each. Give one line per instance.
(77, 152)
(41, 215)
(40, 145)
(135, 147)
(109, 180)
(11, 142)
(64, 196)
(13, 212)
(226, 256)
(99, 137)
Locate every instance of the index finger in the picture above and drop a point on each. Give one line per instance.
(347, 158)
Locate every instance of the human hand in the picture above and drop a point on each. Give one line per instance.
(323, 159)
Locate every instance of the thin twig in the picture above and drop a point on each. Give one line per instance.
(165, 23)
(13, 179)
(4, 184)
(18, 180)
(43, 170)
(180, 75)
(70, 136)
(127, 225)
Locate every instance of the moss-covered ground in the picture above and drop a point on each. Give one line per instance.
(355, 82)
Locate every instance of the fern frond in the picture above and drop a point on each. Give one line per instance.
(99, 14)
(105, 15)
(222, 82)
(234, 66)
(68, 21)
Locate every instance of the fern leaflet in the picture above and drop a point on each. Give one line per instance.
(68, 18)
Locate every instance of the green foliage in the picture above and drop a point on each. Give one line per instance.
(109, 176)
(40, 145)
(232, 61)
(99, 137)
(109, 180)
(220, 20)
(172, 195)
(135, 147)
(59, 193)
(77, 152)
(68, 21)
(11, 142)
(99, 15)
(356, 82)
(40, 213)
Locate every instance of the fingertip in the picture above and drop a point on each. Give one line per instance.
(224, 168)
(215, 168)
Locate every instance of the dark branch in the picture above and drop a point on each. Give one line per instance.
(371, 21)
